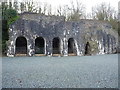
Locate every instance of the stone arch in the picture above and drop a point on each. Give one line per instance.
(92, 48)
(71, 47)
(21, 45)
(40, 45)
(87, 48)
(56, 45)
(109, 43)
(114, 45)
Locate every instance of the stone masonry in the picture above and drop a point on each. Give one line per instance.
(101, 37)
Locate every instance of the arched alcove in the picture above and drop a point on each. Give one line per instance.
(21, 45)
(39, 45)
(71, 46)
(87, 49)
(56, 45)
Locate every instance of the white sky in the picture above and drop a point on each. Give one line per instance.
(87, 3)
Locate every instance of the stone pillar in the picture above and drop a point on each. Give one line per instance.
(105, 44)
(101, 47)
(45, 52)
(110, 45)
(11, 48)
(113, 45)
(65, 47)
(77, 48)
(61, 46)
(82, 49)
(30, 48)
(106, 48)
(48, 47)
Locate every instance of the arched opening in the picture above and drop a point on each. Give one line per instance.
(39, 46)
(87, 49)
(71, 47)
(21, 45)
(56, 45)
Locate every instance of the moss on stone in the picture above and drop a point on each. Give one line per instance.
(93, 49)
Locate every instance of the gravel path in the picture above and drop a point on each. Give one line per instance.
(60, 72)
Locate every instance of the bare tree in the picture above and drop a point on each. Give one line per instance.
(103, 12)
(15, 5)
(30, 6)
(59, 10)
(73, 12)
(40, 10)
(49, 10)
(76, 12)
(63, 10)
(45, 8)
(10, 5)
(22, 7)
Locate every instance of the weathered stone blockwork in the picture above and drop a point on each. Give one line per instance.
(99, 35)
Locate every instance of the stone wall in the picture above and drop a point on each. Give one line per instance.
(100, 36)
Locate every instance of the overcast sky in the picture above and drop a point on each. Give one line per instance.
(87, 3)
